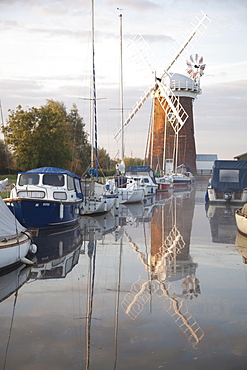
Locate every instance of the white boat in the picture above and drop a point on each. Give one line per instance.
(143, 175)
(98, 198)
(228, 182)
(131, 193)
(15, 240)
(241, 219)
(180, 180)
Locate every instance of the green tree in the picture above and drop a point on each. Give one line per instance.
(133, 162)
(104, 159)
(46, 136)
(80, 147)
(50, 136)
(6, 159)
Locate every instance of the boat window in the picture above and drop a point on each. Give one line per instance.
(28, 179)
(31, 194)
(78, 186)
(70, 183)
(229, 175)
(53, 179)
(60, 195)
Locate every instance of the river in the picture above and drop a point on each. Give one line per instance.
(161, 285)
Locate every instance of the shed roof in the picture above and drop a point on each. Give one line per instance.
(206, 157)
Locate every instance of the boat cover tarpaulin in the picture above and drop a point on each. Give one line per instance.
(52, 170)
(9, 225)
(229, 175)
(142, 170)
(139, 169)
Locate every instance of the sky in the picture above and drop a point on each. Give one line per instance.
(46, 54)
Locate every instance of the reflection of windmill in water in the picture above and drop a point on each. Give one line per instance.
(161, 264)
(172, 104)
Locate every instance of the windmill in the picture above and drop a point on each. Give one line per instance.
(164, 92)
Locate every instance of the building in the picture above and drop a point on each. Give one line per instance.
(241, 157)
(163, 134)
(204, 163)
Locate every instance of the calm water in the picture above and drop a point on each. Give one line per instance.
(162, 286)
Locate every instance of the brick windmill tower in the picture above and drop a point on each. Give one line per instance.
(172, 143)
(173, 97)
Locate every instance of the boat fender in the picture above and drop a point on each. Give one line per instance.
(26, 261)
(33, 248)
(61, 211)
(117, 201)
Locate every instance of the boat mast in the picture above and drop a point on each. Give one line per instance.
(94, 148)
(164, 149)
(121, 84)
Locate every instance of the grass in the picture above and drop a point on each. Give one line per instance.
(12, 179)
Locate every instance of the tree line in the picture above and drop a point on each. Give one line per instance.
(50, 136)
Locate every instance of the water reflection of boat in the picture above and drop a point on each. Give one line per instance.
(98, 225)
(12, 280)
(15, 240)
(241, 219)
(135, 213)
(58, 252)
(241, 246)
(222, 223)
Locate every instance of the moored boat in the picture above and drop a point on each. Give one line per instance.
(228, 182)
(241, 219)
(46, 197)
(163, 182)
(15, 240)
(180, 180)
(97, 198)
(241, 246)
(144, 175)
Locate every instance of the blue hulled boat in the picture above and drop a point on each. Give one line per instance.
(46, 197)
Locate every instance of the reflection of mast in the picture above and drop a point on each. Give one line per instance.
(90, 292)
(10, 330)
(117, 304)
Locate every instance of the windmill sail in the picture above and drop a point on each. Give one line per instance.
(199, 26)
